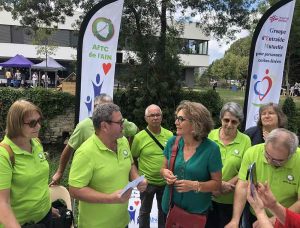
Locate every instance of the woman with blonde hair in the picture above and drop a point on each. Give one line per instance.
(24, 170)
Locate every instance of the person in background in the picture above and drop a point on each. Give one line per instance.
(233, 145)
(101, 168)
(150, 159)
(277, 162)
(271, 116)
(264, 198)
(34, 79)
(8, 76)
(24, 192)
(197, 168)
(18, 78)
(82, 132)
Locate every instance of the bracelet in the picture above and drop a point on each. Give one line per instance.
(198, 187)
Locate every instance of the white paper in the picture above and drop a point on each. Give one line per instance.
(133, 184)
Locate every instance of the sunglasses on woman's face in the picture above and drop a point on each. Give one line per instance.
(33, 123)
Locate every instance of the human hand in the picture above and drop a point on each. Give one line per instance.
(142, 185)
(227, 187)
(266, 195)
(55, 212)
(232, 224)
(184, 185)
(117, 197)
(255, 201)
(56, 178)
(169, 176)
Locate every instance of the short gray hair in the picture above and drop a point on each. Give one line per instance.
(102, 98)
(103, 112)
(285, 137)
(235, 109)
(152, 105)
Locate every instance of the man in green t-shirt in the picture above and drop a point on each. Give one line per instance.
(102, 166)
(82, 132)
(277, 162)
(150, 159)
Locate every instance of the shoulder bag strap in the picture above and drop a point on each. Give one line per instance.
(10, 153)
(171, 166)
(154, 139)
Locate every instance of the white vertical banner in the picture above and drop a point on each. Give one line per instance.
(267, 57)
(96, 54)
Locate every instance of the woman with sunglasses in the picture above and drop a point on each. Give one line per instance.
(197, 167)
(232, 144)
(24, 170)
(271, 116)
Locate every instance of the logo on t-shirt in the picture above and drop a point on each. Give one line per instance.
(125, 153)
(41, 156)
(290, 177)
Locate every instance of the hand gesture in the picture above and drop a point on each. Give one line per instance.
(266, 195)
(117, 197)
(169, 176)
(56, 179)
(227, 187)
(143, 185)
(184, 185)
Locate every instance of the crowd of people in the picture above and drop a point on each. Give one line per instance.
(201, 171)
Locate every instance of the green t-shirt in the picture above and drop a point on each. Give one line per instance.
(27, 181)
(97, 167)
(231, 155)
(150, 155)
(284, 181)
(85, 129)
(206, 160)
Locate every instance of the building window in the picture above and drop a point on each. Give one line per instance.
(196, 47)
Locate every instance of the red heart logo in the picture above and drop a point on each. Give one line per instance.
(269, 80)
(136, 203)
(106, 67)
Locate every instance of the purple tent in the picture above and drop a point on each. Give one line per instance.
(17, 61)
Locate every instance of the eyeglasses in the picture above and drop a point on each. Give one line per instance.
(233, 122)
(276, 162)
(121, 122)
(33, 123)
(154, 115)
(180, 119)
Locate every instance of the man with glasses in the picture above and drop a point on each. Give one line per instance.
(82, 132)
(278, 163)
(101, 168)
(147, 147)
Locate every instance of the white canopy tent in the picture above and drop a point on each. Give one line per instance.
(49, 65)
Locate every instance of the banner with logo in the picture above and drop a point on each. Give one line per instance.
(96, 54)
(267, 57)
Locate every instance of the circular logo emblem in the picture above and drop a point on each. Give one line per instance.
(236, 151)
(125, 153)
(290, 177)
(103, 29)
(41, 155)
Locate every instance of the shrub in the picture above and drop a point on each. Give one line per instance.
(51, 102)
(289, 108)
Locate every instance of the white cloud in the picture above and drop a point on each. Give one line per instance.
(216, 50)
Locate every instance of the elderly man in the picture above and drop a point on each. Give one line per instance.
(82, 132)
(277, 162)
(101, 168)
(147, 147)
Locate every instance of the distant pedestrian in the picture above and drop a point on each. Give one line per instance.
(8, 76)
(34, 79)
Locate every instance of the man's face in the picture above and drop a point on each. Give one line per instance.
(276, 154)
(154, 116)
(116, 125)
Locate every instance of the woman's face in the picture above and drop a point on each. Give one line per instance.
(32, 125)
(269, 118)
(230, 123)
(183, 124)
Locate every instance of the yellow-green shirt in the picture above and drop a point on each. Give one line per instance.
(27, 180)
(231, 155)
(106, 171)
(150, 155)
(284, 181)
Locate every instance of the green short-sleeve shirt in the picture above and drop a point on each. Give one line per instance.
(97, 167)
(231, 155)
(27, 180)
(284, 181)
(150, 155)
(206, 160)
(85, 129)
